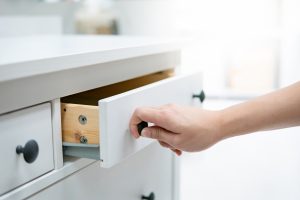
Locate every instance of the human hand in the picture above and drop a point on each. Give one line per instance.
(179, 128)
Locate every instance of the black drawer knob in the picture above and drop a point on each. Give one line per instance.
(141, 126)
(201, 96)
(150, 197)
(30, 151)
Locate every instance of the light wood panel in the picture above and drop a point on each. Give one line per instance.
(72, 129)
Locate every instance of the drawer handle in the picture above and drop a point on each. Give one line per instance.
(141, 126)
(150, 197)
(201, 96)
(30, 151)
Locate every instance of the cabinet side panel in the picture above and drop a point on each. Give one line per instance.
(56, 129)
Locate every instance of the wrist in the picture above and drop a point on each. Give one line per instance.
(222, 126)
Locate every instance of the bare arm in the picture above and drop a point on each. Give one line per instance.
(193, 129)
(276, 110)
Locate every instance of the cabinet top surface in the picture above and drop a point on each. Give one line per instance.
(28, 56)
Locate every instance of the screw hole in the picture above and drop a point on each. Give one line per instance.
(82, 119)
(83, 140)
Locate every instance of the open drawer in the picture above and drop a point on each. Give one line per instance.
(95, 124)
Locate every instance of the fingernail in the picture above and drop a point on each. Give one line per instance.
(145, 133)
(136, 136)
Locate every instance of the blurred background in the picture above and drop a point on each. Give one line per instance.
(244, 47)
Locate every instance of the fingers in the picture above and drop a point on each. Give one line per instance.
(147, 114)
(155, 116)
(177, 151)
(158, 133)
(165, 145)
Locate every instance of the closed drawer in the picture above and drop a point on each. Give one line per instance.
(149, 171)
(95, 124)
(30, 131)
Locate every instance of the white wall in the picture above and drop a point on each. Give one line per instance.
(290, 47)
(233, 40)
(30, 25)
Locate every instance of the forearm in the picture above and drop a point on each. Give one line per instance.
(279, 109)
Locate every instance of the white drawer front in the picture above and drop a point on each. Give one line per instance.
(148, 171)
(18, 128)
(116, 143)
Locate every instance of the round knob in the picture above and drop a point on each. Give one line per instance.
(30, 151)
(150, 197)
(201, 96)
(141, 126)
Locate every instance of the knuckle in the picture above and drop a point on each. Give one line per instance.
(157, 133)
(138, 110)
(152, 133)
(164, 113)
(166, 116)
(175, 140)
(161, 116)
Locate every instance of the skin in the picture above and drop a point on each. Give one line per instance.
(192, 129)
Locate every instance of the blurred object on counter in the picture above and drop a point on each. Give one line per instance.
(96, 17)
(253, 66)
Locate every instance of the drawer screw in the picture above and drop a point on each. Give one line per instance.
(82, 119)
(83, 140)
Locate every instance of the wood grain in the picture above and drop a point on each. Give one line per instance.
(72, 129)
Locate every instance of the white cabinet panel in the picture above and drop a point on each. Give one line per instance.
(146, 172)
(17, 128)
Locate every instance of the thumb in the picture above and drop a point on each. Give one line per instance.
(158, 133)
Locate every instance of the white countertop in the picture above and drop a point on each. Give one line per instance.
(28, 56)
(39, 69)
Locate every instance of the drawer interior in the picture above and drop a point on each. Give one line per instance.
(80, 112)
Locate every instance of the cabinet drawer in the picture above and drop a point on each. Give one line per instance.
(30, 131)
(152, 170)
(100, 130)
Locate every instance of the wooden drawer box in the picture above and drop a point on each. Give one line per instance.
(95, 123)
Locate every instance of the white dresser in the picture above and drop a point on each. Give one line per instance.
(65, 106)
